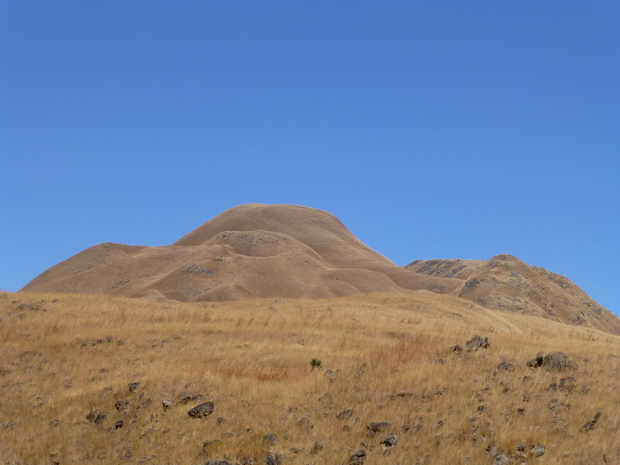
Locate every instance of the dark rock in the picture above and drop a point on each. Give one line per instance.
(358, 458)
(506, 366)
(592, 423)
(133, 386)
(305, 423)
(217, 462)
(185, 398)
(122, 405)
(536, 362)
(390, 441)
(118, 424)
(377, 426)
(270, 438)
(477, 343)
(201, 411)
(538, 451)
(345, 414)
(100, 418)
(92, 416)
(558, 361)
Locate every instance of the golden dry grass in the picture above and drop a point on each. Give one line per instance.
(389, 360)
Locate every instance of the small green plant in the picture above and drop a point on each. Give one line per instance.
(316, 363)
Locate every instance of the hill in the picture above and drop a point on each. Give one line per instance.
(286, 251)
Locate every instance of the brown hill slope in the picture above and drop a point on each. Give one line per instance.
(290, 251)
(506, 283)
(248, 251)
(83, 379)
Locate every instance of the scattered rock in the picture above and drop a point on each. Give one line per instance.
(345, 414)
(558, 361)
(537, 451)
(167, 403)
(28, 307)
(592, 423)
(537, 361)
(54, 423)
(96, 416)
(220, 421)
(270, 438)
(127, 455)
(377, 426)
(477, 343)
(185, 398)
(133, 386)
(122, 405)
(358, 458)
(506, 366)
(390, 441)
(217, 462)
(305, 423)
(201, 411)
(456, 348)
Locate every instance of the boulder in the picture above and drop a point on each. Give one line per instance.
(201, 411)
(390, 441)
(377, 426)
(506, 366)
(558, 361)
(477, 343)
(345, 414)
(358, 458)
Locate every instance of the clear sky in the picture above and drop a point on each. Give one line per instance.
(431, 129)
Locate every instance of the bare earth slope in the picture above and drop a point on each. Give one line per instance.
(290, 251)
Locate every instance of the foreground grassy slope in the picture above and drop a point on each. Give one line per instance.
(385, 357)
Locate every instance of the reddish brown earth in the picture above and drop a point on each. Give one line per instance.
(290, 251)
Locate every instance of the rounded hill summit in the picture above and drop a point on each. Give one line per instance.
(288, 251)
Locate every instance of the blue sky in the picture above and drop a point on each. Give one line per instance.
(431, 129)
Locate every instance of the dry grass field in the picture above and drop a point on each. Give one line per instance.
(68, 363)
